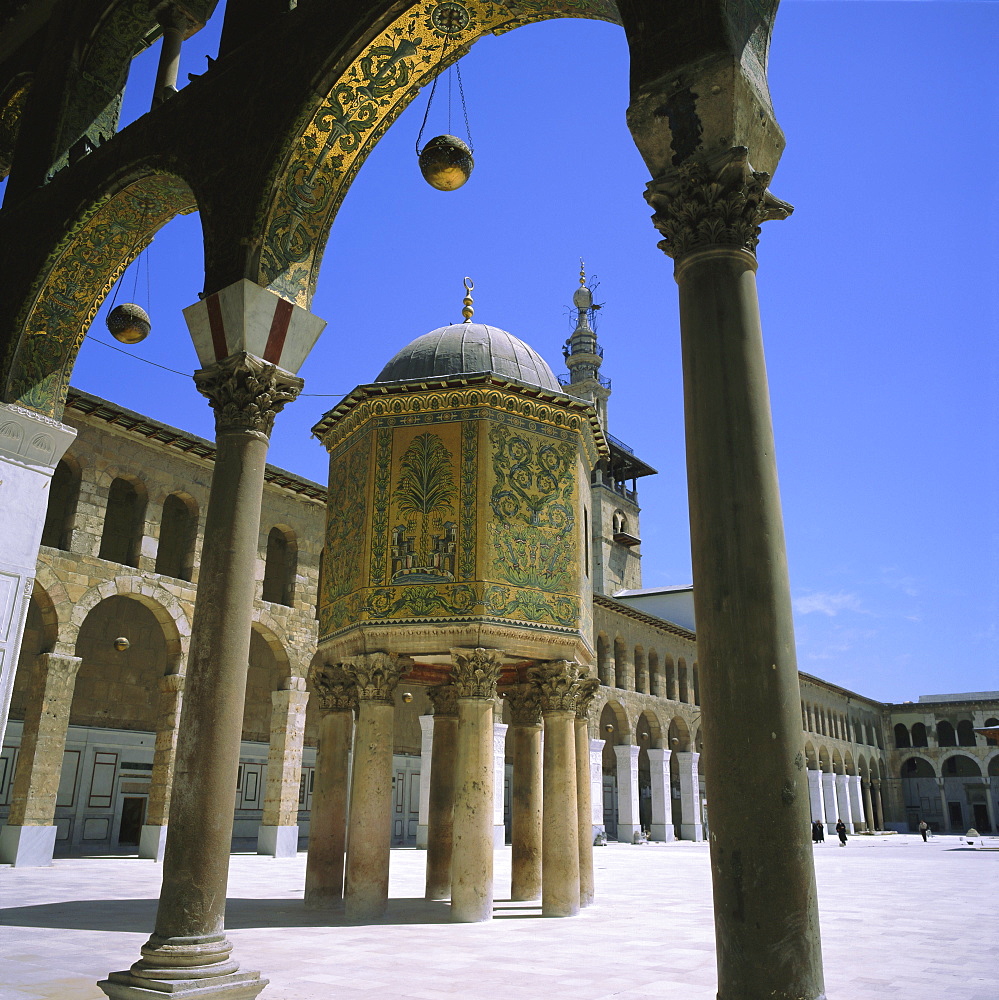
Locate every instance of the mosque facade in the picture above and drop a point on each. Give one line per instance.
(415, 550)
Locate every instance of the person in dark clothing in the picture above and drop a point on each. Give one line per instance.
(923, 827)
(818, 834)
(841, 830)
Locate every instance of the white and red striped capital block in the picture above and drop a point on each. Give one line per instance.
(246, 317)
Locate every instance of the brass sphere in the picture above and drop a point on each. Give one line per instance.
(129, 323)
(407, 697)
(121, 644)
(446, 163)
(608, 728)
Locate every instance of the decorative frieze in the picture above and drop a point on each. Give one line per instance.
(246, 392)
(557, 683)
(444, 699)
(377, 674)
(722, 202)
(475, 672)
(525, 704)
(335, 687)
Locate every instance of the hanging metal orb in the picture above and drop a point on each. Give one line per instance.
(446, 163)
(129, 323)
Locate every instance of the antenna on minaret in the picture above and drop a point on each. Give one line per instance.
(583, 354)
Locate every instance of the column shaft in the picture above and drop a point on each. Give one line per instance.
(440, 817)
(152, 840)
(856, 805)
(584, 813)
(868, 806)
(829, 800)
(28, 838)
(324, 867)
(278, 835)
(628, 822)
(843, 801)
(815, 796)
(879, 812)
(525, 812)
(499, 783)
(768, 943)
(560, 887)
(691, 827)
(369, 839)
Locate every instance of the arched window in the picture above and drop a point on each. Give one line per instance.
(60, 517)
(989, 740)
(960, 766)
(123, 518)
(681, 671)
(901, 736)
(604, 672)
(620, 664)
(966, 734)
(178, 531)
(946, 736)
(655, 677)
(280, 567)
(696, 685)
(919, 735)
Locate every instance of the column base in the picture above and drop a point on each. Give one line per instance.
(691, 831)
(152, 842)
(277, 841)
(236, 986)
(422, 837)
(27, 846)
(626, 832)
(662, 832)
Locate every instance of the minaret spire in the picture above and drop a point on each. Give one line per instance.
(583, 355)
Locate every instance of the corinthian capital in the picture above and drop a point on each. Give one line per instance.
(475, 672)
(334, 687)
(719, 202)
(525, 704)
(377, 674)
(586, 692)
(557, 684)
(444, 699)
(245, 392)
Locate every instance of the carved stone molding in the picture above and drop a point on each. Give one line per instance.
(586, 692)
(377, 674)
(444, 699)
(475, 672)
(722, 202)
(334, 687)
(172, 682)
(557, 683)
(525, 704)
(246, 392)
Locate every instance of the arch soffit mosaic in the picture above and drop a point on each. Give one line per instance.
(166, 609)
(80, 271)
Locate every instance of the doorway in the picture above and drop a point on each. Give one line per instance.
(133, 812)
(956, 816)
(982, 824)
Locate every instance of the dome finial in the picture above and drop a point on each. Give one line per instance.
(582, 273)
(467, 310)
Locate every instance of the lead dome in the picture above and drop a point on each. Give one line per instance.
(464, 348)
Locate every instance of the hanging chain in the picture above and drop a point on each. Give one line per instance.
(456, 69)
(464, 107)
(433, 90)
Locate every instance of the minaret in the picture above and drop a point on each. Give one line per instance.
(583, 355)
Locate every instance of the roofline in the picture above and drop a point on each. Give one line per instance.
(188, 444)
(661, 623)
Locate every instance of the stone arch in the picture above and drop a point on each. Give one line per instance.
(917, 766)
(650, 726)
(902, 739)
(682, 681)
(604, 672)
(178, 536)
(267, 672)
(825, 760)
(64, 494)
(669, 678)
(918, 734)
(620, 663)
(966, 733)
(849, 767)
(992, 766)
(960, 765)
(837, 763)
(40, 635)
(946, 734)
(12, 102)
(280, 565)
(126, 502)
(991, 722)
(367, 83)
(679, 734)
(863, 769)
(811, 756)
(166, 609)
(76, 276)
(641, 669)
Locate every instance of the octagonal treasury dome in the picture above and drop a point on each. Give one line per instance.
(464, 348)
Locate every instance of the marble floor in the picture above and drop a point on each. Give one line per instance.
(899, 919)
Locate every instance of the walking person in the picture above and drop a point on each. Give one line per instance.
(818, 834)
(923, 828)
(841, 830)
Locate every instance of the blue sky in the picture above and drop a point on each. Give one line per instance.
(877, 295)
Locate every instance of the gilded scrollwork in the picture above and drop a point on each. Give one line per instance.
(246, 392)
(475, 672)
(722, 202)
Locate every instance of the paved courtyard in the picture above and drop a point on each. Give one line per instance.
(899, 919)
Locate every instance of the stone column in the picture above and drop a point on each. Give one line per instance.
(278, 834)
(369, 836)
(628, 822)
(856, 806)
(426, 765)
(815, 796)
(829, 799)
(152, 839)
(586, 692)
(525, 804)
(843, 800)
(709, 208)
(499, 783)
(336, 693)
(440, 812)
(596, 788)
(176, 24)
(189, 942)
(28, 838)
(557, 682)
(31, 446)
(690, 796)
(943, 804)
(662, 801)
(474, 675)
(868, 805)
(879, 811)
